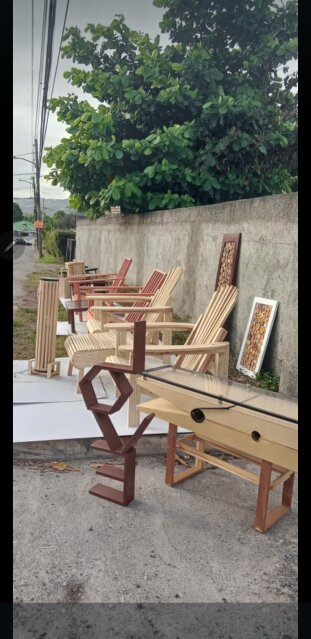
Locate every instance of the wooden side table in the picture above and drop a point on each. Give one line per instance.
(243, 421)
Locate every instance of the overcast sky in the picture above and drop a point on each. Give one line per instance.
(139, 14)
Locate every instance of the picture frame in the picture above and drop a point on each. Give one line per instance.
(256, 336)
(228, 260)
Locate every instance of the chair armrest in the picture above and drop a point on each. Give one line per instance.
(217, 347)
(129, 309)
(151, 325)
(121, 298)
(94, 276)
(120, 289)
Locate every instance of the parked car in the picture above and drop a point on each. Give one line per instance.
(21, 240)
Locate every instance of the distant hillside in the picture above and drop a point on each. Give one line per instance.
(49, 206)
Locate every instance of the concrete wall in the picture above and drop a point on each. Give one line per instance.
(192, 238)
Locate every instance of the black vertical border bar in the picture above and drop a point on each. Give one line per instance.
(304, 573)
(6, 229)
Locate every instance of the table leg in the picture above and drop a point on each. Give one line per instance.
(72, 321)
(287, 494)
(170, 455)
(263, 518)
(199, 463)
(263, 496)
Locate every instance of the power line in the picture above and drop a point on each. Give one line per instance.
(21, 188)
(57, 62)
(29, 173)
(41, 65)
(47, 73)
(32, 59)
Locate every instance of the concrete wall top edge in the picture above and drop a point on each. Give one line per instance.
(253, 207)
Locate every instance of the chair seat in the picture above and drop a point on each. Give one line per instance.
(89, 350)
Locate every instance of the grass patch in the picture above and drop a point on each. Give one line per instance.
(32, 279)
(49, 259)
(24, 333)
(267, 380)
(25, 319)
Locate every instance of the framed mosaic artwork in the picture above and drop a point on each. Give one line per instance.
(228, 260)
(256, 336)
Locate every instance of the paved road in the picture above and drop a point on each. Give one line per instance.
(23, 264)
(193, 544)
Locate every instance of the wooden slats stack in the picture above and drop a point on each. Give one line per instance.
(44, 362)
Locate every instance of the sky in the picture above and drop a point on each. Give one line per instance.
(139, 14)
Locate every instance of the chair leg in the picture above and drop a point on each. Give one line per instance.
(80, 375)
(70, 367)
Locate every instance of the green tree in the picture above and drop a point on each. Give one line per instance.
(48, 224)
(62, 220)
(204, 119)
(30, 218)
(17, 212)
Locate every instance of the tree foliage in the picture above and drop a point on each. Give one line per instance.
(17, 213)
(204, 119)
(62, 220)
(55, 242)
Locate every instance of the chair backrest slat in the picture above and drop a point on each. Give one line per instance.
(209, 327)
(152, 285)
(75, 268)
(163, 294)
(120, 276)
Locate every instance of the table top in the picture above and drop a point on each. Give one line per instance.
(76, 305)
(226, 393)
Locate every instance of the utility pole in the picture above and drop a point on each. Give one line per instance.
(35, 207)
(38, 203)
(36, 190)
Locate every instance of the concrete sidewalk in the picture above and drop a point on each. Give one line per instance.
(191, 543)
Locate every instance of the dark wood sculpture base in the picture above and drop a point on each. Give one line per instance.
(124, 474)
(112, 443)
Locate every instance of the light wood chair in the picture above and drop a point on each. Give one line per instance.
(204, 350)
(88, 350)
(75, 268)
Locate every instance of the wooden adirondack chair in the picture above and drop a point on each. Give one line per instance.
(70, 269)
(140, 299)
(75, 268)
(204, 350)
(89, 350)
(80, 284)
